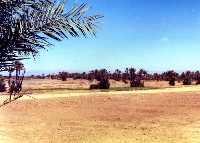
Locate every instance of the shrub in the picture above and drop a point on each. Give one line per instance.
(136, 83)
(198, 81)
(172, 81)
(94, 86)
(187, 81)
(104, 83)
(63, 76)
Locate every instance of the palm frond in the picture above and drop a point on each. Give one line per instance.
(22, 23)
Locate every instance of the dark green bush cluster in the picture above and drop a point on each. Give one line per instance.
(172, 81)
(187, 81)
(63, 76)
(198, 81)
(104, 83)
(136, 83)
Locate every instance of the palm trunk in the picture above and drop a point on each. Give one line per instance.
(16, 78)
(9, 78)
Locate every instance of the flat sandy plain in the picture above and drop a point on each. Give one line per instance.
(62, 113)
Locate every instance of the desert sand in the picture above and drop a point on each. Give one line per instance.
(63, 113)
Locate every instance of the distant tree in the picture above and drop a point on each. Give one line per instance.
(125, 76)
(104, 83)
(117, 75)
(43, 77)
(53, 76)
(171, 77)
(63, 75)
(156, 76)
(102, 76)
(18, 66)
(142, 73)
(48, 76)
(186, 78)
(197, 77)
(91, 75)
(135, 80)
(104, 79)
(83, 75)
(132, 72)
(10, 69)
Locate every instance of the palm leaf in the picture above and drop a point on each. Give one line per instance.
(20, 33)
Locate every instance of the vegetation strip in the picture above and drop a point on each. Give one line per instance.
(111, 89)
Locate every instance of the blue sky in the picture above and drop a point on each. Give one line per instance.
(156, 35)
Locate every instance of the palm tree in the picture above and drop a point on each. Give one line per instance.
(91, 75)
(132, 73)
(117, 75)
(125, 75)
(23, 24)
(18, 66)
(142, 73)
(10, 69)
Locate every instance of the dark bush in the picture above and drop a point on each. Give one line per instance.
(94, 86)
(63, 76)
(172, 82)
(104, 83)
(198, 81)
(187, 81)
(136, 83)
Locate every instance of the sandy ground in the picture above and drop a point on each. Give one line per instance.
(166, 115)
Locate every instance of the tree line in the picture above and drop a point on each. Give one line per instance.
(128, 76)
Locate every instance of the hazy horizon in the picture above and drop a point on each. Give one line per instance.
(46, 72)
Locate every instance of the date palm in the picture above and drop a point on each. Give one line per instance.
(117, 75)
(132, 73)
(18, 66)
(27, 25)
(10, 69)
(142, 73)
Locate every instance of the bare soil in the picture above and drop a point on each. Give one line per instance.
(166, 115)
